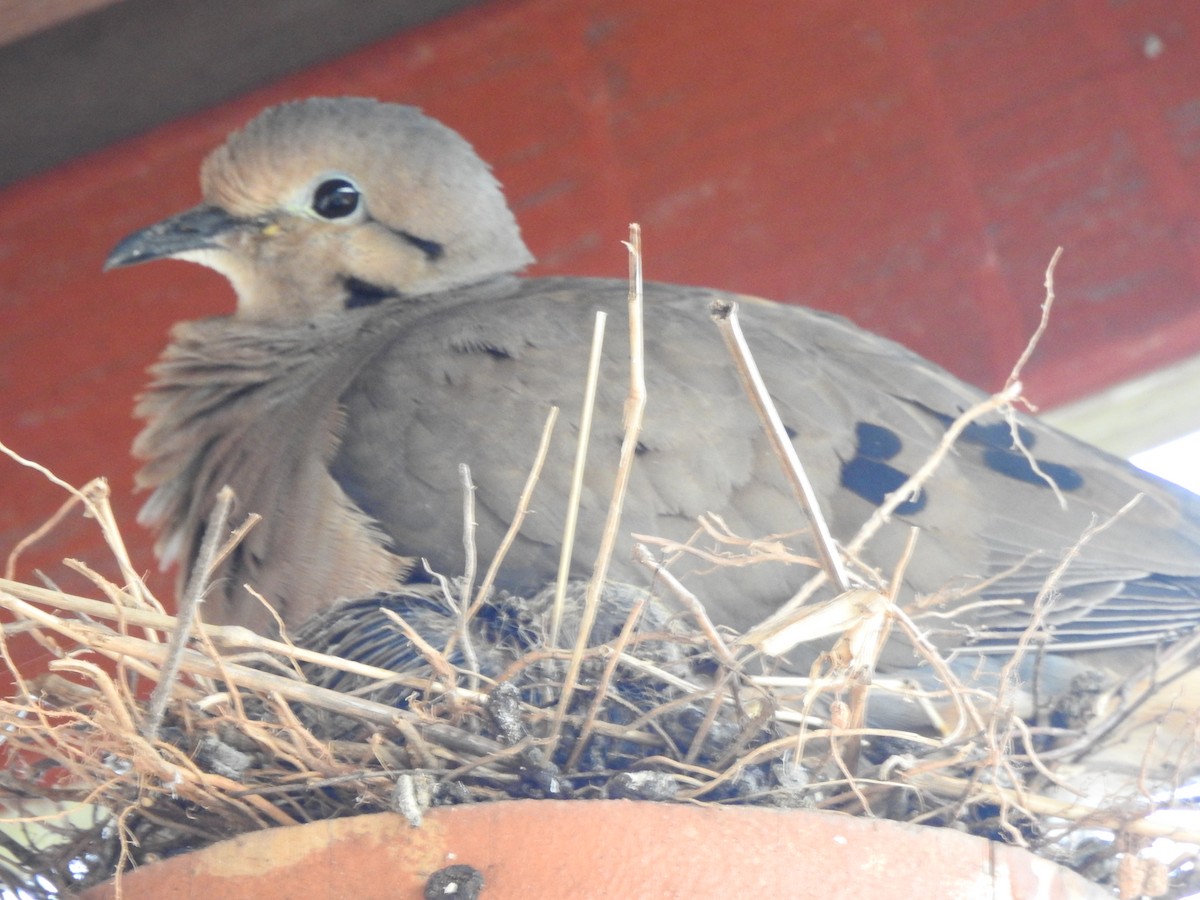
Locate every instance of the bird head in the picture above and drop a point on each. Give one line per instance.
(327, 204)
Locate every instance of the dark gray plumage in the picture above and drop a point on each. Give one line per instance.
(382, 338)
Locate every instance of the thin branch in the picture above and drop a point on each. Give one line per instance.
(463, 605)
(602, 685)
(570, 525)
(522, 510)
(189, 608)
(690, 601)
(724, 313)
(1014, 377)
(635, 406)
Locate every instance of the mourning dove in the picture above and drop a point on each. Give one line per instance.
(382, 337)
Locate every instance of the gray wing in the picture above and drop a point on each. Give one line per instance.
(471, 382)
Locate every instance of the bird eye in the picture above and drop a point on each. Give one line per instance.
(335, 198)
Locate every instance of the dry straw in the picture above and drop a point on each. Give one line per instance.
(147, 735)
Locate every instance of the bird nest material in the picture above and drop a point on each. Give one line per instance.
(255, 733)
(148, 735)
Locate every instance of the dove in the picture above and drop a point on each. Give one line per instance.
(383, 336)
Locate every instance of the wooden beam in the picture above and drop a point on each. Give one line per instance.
(1138, 414)
(21, 18)
(122, 68)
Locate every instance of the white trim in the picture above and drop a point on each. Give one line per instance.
(1139, 414)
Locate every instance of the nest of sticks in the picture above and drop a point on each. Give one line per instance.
(149, 735)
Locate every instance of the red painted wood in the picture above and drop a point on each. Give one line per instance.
(911, 165)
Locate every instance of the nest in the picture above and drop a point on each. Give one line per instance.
(150, 735)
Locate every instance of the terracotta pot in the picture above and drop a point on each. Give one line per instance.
(622, 849)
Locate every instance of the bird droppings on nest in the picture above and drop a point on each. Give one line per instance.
(459, 881)
(976, 651)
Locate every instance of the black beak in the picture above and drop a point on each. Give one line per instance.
(197, 229)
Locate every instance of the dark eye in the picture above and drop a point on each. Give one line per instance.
(335, 199)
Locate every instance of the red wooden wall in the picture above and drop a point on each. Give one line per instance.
(911, 165)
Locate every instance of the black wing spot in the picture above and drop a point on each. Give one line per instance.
(1013, 464)
(876, 442)
(791, 432)
(869, 476)
(1002, 455)
(361, 293)
(873, 481)
(998, 434)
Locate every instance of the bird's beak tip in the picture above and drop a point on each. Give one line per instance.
(120, 257)
(198, 228)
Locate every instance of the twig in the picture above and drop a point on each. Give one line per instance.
(469, 527)
(690, 601)
(1043, 602)
(116, 645)
(773, 547)
(14, 596)
(945, 785)
(724, 313)
(915, 481)
(571, 523)
(431, 654)
(514, 528)
(189, 607)
(792, 610)
(116, 705)
(10, 566)
(602, 685)
(94, 497)
(1014, 378)
(635, 406)
(235, 537)
(464, 602)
